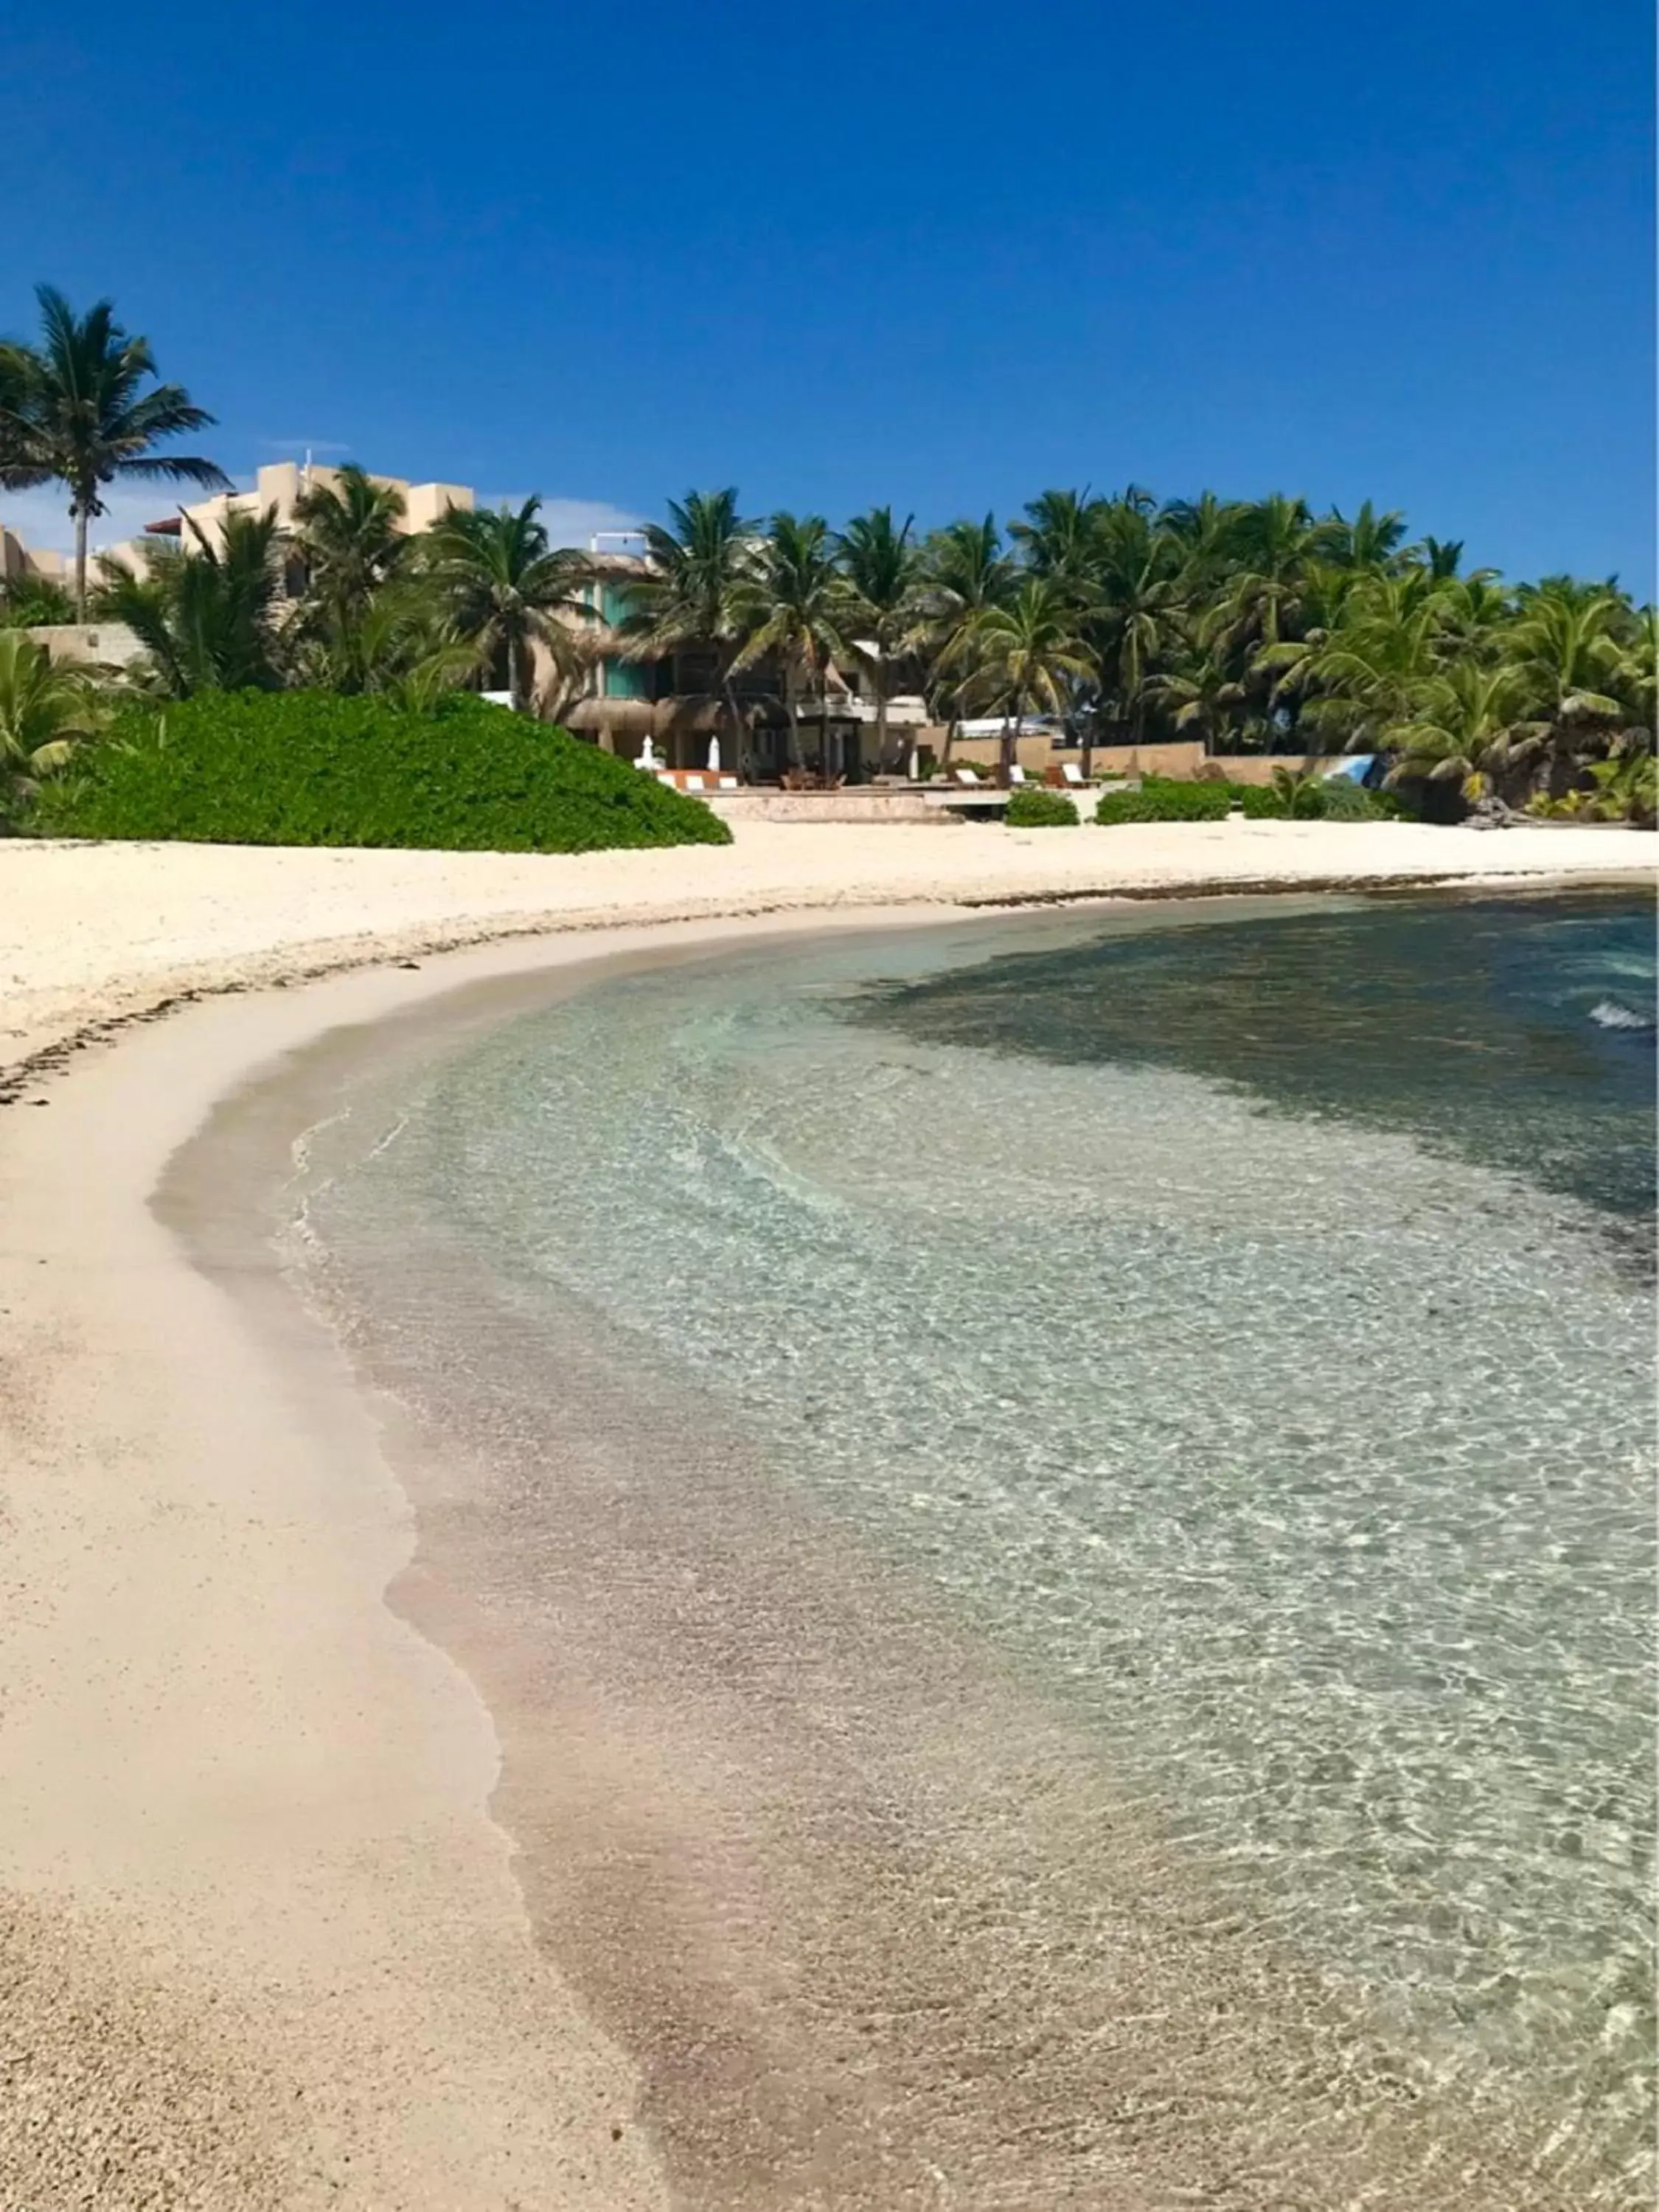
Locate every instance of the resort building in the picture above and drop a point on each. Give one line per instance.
(280, 486)
(679, 704)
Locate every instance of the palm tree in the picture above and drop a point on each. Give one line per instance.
(1272, 543)
(351, 537)
(1462, 730)
(802, 605)
(1030, 653)
(1442, 556)
(34, 602)
(504, 590)
(1370, 541)
(1058, 540)
(1201, 696)
(203, 613)
(400, 646)
(883, 568)
(1635, 681)
(73, 412)
(45, 711)
(964, 571)
(1364, 663)
(700, 594)
(1130, 613)
(1565, 648)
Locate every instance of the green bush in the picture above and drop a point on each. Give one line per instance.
(1041, 810)
(1341, 800)
(312, 768)
(1162, 798)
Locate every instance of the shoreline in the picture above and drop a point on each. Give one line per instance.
(261, 1935)
(322, 1982)
(94, 937)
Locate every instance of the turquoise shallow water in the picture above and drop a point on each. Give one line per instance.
(1240, 1328)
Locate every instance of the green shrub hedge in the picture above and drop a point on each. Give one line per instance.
(1041, 810)
(1163, 799)
(311, 768)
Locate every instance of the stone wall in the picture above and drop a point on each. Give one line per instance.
(108, 645)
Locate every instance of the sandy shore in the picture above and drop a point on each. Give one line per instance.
(260, 1941)
(91, 933)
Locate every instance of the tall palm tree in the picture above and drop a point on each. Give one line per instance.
(45, 711)
(1635, 681)
(1204, 528)
(1130, 615)
(1030, 653)
(1566, 648)
(1200, 696)
(802, 605)
(1374, 643)
(1057, 539)
(351, 537)
(1442, 556)
(504, 589)
(882, 564)
(700, 594)
(1272, 543)
(73, 411)
(1370, 541)
(204, 613)
(964, 570)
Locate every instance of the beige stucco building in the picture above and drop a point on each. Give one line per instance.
(280, 486)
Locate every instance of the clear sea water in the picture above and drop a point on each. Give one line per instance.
(1236, 1323)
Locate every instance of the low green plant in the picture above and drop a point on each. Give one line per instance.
(1297, 794)
(1041, 810)
(1341, 800)
(1163, 799)
(1304, 798)
(311, 767)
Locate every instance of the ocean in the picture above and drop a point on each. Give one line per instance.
(1056, 1515)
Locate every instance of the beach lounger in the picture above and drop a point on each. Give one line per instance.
(1017, 776)
(966, 775)
(693, 781)
(1073, 775)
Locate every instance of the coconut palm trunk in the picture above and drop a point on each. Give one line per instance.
(738, 728)
(792, 708)
(82, 520)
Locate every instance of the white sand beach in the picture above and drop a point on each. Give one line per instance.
(260, 1940)
(89, 933)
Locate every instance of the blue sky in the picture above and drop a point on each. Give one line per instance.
(938, 256)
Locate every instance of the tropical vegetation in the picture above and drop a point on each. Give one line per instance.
(1261, 626)
(1037, 809)
(46, 711)
(311, 767)
(74, 411)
